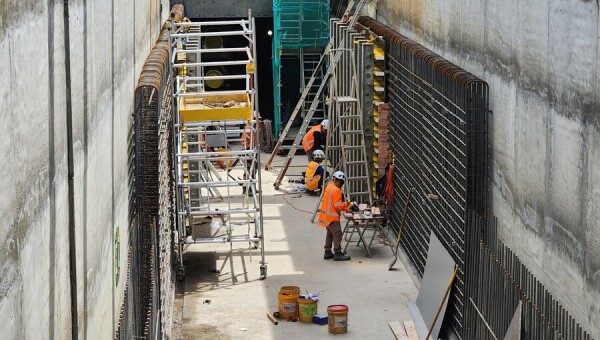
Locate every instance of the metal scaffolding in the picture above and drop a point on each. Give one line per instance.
(218, 185)
(335, 46)
(300, 27)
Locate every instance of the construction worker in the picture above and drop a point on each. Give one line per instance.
(329, 217)
(315, 174)
(315, 139)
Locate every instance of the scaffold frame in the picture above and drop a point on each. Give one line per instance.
(218, 183)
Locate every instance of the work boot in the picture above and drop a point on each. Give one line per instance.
(328, 255)
(341, 257)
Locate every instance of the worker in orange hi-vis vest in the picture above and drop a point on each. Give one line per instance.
(315, 174)
(315, 139)
(329, 217)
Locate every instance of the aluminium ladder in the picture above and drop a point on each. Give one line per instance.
(345, 141)
(308, 62)
(345, 145)
(354, 7)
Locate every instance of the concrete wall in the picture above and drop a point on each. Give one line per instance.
(541, 60)
(198, 9)
(109, 41)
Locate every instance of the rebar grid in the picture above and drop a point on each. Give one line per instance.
(149, 283)
(438, 135)
(498, 280)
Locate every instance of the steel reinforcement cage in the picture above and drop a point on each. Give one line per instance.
(438, 137)
(497, 281)
(149, 287)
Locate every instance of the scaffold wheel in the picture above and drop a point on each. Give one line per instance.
(180, 274)
(263, 271)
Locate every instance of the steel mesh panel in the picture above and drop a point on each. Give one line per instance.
(497, 280)
(149, 284)
(438, 136)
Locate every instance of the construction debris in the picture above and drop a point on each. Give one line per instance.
(407, 331)
(272, 318)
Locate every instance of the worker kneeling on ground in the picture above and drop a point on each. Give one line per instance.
(315, 174)
(329, 217)
(315, 139)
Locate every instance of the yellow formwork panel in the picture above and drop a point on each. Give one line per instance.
(218, 107)
(378, 86)
(379, 53)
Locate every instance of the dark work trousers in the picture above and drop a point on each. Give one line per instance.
(334, 235)
(309, 154)
(322, 180)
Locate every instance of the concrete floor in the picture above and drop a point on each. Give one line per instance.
(233, 303)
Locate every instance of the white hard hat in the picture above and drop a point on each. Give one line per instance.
(325, 123)
(318, 155)
(339, 175)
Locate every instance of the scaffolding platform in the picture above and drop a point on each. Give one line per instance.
(217, 154)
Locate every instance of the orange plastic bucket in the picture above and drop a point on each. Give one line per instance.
(306, 309)
(288, 301)
(337, 319)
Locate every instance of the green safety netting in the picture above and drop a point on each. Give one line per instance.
(301, 23)
(296, 24)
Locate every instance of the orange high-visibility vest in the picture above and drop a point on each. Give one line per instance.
(332, 205)
(310, 180)
(309, 139)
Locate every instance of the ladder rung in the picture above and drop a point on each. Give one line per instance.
(363, 193)
(355, 162)
(322, 76)
(354, 147)
(352, 131)
(346, 99)
(358, 178)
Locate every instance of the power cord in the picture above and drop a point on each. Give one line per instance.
(288, 202)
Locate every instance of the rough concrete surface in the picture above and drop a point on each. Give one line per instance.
(226, 8)
(109, 41)
(233, 303)
(541, 60)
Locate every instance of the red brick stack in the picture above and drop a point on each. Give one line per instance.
(383, 137)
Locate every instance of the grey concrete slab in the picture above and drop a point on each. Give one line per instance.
(434, 289)
(233, 303)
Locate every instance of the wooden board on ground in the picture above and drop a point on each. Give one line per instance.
(398, 330)
(411, 330)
